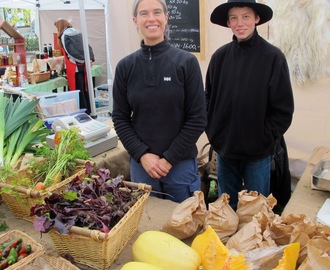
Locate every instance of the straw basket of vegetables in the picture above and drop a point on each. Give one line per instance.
(48, 170)
(94, 218)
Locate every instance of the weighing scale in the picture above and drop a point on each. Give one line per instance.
(97, 135)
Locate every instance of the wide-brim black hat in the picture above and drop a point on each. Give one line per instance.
(220, 13)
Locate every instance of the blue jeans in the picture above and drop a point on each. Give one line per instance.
(236, 175)
(179, 184)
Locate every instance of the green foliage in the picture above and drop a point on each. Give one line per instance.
(18, 16)
(32, 43)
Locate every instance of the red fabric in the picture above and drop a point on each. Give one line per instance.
(70, 71)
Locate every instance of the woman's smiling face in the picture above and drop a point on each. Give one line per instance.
(151, 21)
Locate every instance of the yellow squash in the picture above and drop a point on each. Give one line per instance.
(215, 255)
(166, 251)
(290, 257)
(140, 266)
(211, 250)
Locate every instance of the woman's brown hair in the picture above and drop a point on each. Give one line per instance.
(61, 25)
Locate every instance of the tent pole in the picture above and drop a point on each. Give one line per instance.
(109, 68)
(87, 58)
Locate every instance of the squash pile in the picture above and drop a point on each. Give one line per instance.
(157, 250)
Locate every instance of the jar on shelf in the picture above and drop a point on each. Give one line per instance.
(10, 59)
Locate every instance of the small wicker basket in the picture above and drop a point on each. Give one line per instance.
(21, 205)
(96, 249)
(38, 77)
(50, 262)
(36, 248)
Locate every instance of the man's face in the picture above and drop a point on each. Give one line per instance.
(242, 21)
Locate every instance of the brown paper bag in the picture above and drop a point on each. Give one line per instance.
(250, 203)
(222, 218)
(188, 217)
(247, 238)
(297, 228)
(318, 255)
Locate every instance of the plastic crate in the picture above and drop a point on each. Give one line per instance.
(103, 98)
(56, 104)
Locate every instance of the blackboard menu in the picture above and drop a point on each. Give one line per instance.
(184, 24)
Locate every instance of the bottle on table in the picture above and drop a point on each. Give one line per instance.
(50, 50)
(45, 51)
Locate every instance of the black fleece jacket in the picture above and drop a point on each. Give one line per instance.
(159, 103)
(249, 98)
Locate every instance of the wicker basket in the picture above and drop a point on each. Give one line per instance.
(96, 249)
(36, 248)
(37, 77)
(20, 205)
(47, 261)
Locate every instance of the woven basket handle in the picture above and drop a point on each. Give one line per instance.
(94, 234)
(139, 186)
(30, 192)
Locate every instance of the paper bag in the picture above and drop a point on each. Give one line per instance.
(222, 218)
(250, 203)
(318, 255)
(188, 217)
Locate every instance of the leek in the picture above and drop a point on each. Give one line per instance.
(34, 129)
(18, 113)
(2, 127)
(19, 128)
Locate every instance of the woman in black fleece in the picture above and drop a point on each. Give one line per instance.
(159, 107)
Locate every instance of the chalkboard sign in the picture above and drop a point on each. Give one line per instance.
(185, 24)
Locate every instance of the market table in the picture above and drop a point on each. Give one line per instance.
(59, 82)
(304, 199)
(158, 211)
(46, 86)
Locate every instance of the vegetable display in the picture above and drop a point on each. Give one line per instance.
(13, 251)
(20, 129)
(96, 202)
(59, 162)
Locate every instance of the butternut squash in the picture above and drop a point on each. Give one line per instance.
(166, 251)
(290, 257)
(140, 266)
(212, 251)
(215, 255)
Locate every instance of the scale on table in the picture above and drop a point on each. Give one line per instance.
(96, 134)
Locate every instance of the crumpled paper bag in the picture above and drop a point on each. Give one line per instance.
(251, 203)
(318, 255)
(251, 236)
(222, 218)
(297, 228)
(188, 217)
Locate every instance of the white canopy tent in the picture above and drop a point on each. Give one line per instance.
(47, 11)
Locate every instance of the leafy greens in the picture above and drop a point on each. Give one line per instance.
(96, 202)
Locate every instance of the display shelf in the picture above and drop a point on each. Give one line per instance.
(18, 45)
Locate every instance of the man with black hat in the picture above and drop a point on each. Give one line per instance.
(249, 100)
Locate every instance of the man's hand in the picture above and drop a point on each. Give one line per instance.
(155, 166)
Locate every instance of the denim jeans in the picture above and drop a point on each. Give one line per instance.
(236, 175)
(180, 183)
